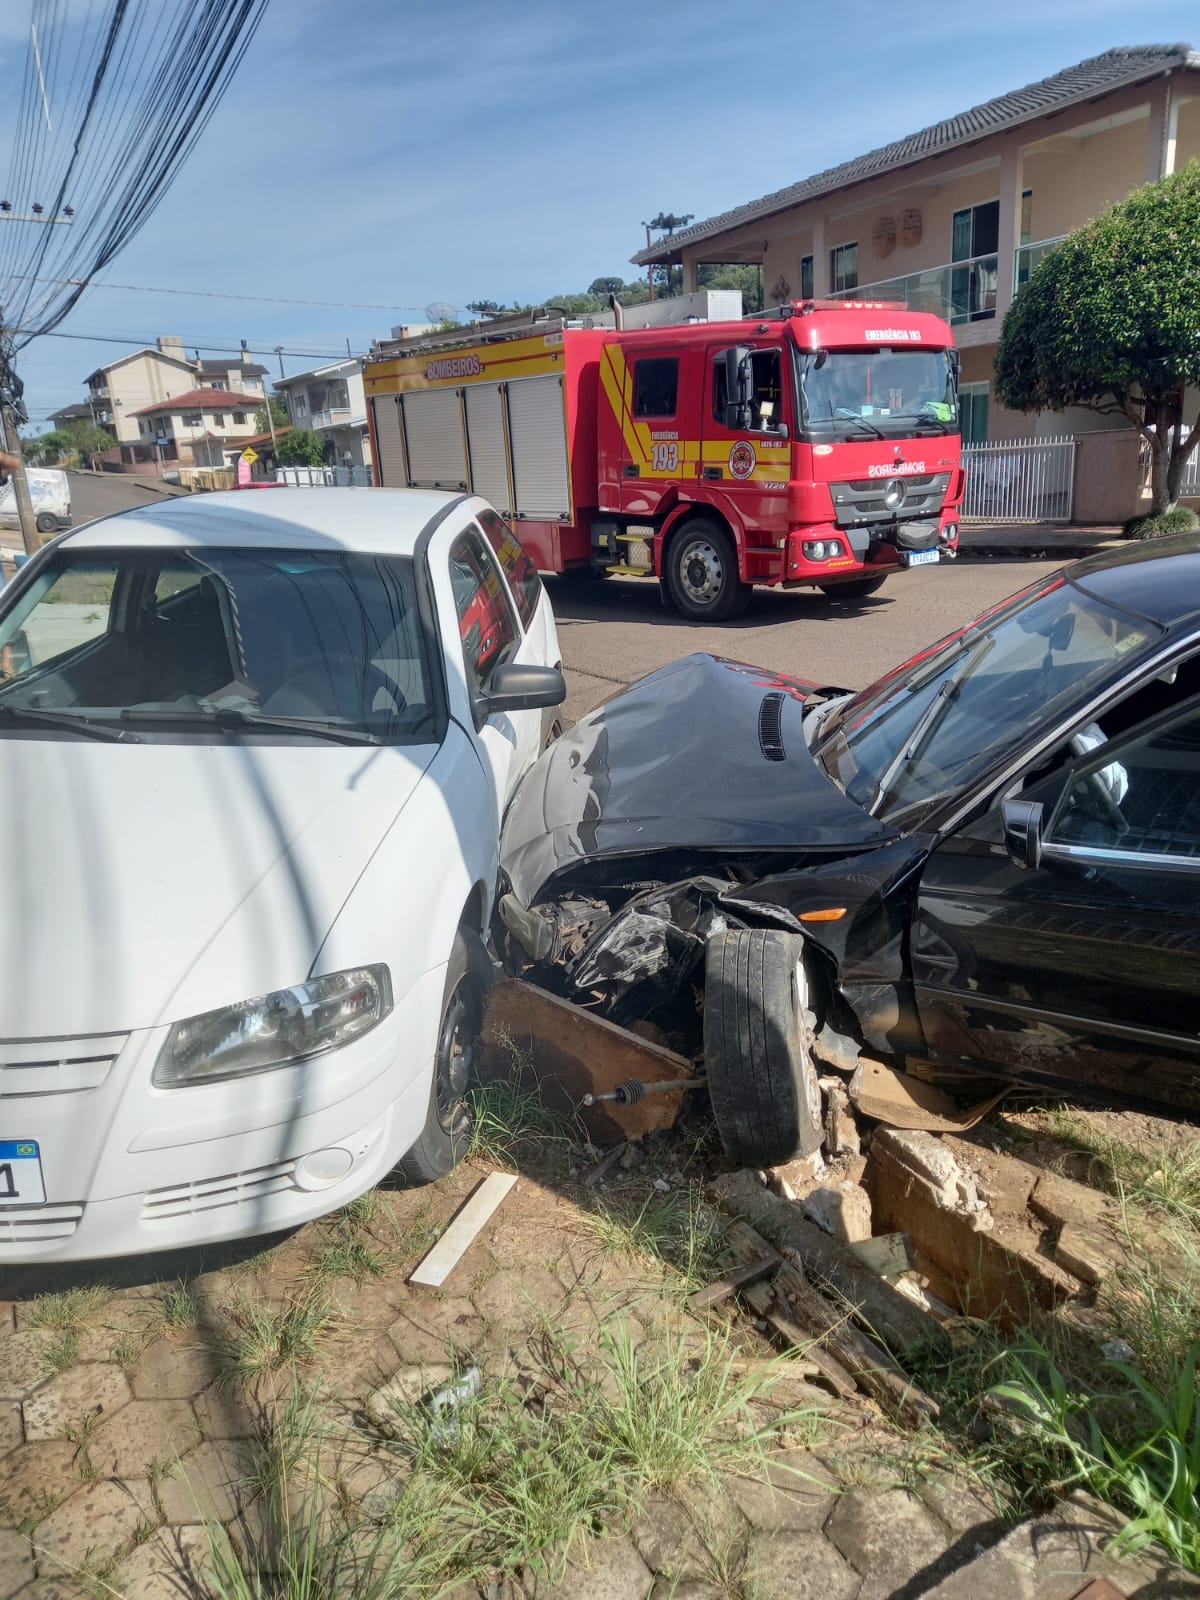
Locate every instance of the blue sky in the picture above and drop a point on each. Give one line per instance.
(400, 151)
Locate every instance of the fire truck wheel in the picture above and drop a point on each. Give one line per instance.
(852, 589)
(702, 575)
(757, 1024)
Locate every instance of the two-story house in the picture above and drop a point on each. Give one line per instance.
(330, 400)
(954, 218)
(123, 388)
(206, 427)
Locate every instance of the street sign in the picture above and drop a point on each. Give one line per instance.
(249, 456)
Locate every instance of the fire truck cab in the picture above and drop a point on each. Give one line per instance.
(814, 445)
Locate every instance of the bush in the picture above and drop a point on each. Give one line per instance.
(1179, 520)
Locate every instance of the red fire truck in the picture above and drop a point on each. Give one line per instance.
(814, 445)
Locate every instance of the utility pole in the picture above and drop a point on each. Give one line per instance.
(10, 394)
(267, 398)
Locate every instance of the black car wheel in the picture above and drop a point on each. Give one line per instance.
(47, 523)
(446, 1135)
(702, 574)
(765, 1097)
(852, 589)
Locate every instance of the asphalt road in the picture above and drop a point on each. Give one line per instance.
(616, 629)
(100, 494)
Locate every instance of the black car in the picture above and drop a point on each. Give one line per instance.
(988, 859)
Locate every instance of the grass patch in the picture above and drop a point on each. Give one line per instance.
(514, 1128)
(677, 1230)
(179, 1304)
(70, 1309)
(63, 1350)
(346, 1258)
(125, 1353)
(1167, 1181)
(266, 1340)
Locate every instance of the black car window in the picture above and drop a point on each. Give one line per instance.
(485, 618)
(655, 386)
(1140, 797)
(522, 575)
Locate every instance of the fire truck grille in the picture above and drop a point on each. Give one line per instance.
(866, 500)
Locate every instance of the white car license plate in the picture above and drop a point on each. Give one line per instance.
(921, 558)
(21, 1173)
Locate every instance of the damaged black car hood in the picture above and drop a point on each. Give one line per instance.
(705, 754)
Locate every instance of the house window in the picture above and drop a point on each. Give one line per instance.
(299, 405)
(806, 277)
(843, 267)
(218, 383)
(1026, 215)
(973, 412)
(656, 387)
(975, 238)
(239, 419)
(193, 419)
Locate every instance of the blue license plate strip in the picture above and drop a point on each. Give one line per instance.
(921, 558)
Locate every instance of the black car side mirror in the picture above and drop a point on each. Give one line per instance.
(523, 688)
(1023, 831)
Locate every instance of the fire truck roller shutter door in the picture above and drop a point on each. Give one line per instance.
(485, 442)
(437, 456)
(389, 469)
(539, 448)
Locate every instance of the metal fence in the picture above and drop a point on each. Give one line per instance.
(1021, 481)
(325, 477)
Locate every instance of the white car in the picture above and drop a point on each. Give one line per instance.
(254, 754)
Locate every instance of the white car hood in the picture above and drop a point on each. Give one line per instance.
(144, 883)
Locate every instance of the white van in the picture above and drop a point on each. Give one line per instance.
(50, 491)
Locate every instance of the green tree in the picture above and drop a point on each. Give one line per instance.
(746, 278)
(603, 287)
(278, 410)
(88, 438)
(1110, 320)
(485, 308)
(301, 447)
(50, 446)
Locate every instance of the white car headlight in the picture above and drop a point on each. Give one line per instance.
(274, 1030)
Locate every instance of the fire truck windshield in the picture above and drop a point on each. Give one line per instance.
(885, 394)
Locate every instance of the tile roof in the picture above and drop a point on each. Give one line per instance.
(249, 369)
(1098, 75)
(203, 400)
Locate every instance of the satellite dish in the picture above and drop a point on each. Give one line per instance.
(440, 311)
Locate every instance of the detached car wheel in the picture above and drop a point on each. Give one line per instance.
(853, 588)
(446, 1135)
(761, 1081)
(702, 574)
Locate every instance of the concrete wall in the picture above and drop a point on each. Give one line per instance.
(1107, 476)
(141, 381)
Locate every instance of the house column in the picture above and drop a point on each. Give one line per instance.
(691, 274)
(820, 255)
(1012, 183)
(1163, 132)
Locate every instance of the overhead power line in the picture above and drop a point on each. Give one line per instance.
(233, 347)
(228, 294)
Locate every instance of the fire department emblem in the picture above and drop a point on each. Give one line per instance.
(742, 460)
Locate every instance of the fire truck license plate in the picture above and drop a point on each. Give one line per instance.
(21, 1173)
(921, 558)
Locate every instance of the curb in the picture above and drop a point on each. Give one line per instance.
(1034, 551)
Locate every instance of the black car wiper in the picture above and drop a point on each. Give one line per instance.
(932, 422)
(234, 717)
(852, 416)
(67, 723)
(944, 695)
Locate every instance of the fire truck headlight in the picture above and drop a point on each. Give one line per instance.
(822, 549)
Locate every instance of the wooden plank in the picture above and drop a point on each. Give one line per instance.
(760, 1297)
(735, 1278)
(573, 1052)
(441, 1261)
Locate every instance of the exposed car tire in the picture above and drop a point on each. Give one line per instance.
(761, 1080)
(852, 589)
(446, 1135)
(47, 523)
(702, 573)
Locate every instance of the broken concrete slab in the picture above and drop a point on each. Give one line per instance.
(794, 1179)
(843, 1211)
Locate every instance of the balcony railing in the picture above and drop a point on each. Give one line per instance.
(332, 417)
(960, 291)
(1028, 257)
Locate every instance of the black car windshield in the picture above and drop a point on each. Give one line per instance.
(323, 644)
(935, 725)
(893, 393)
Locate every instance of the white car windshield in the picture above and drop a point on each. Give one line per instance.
(165, 643)
(934, 725)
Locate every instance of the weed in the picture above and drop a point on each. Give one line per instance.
(266, 1340)
(63, 1351)
(67, 1310)
(180, 1307)
(513, 1126)
(676, 1229)
(78, 1433)
(161, 1468)
(1167, 1181)
(361, 1211)
(1150, 1471)
(347, 1258)
(125, 1353)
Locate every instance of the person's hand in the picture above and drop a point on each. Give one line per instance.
(9, 463)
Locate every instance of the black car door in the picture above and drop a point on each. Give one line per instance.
(1083, 969)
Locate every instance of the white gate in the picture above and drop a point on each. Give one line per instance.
(1019, 481)
(324, 477)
